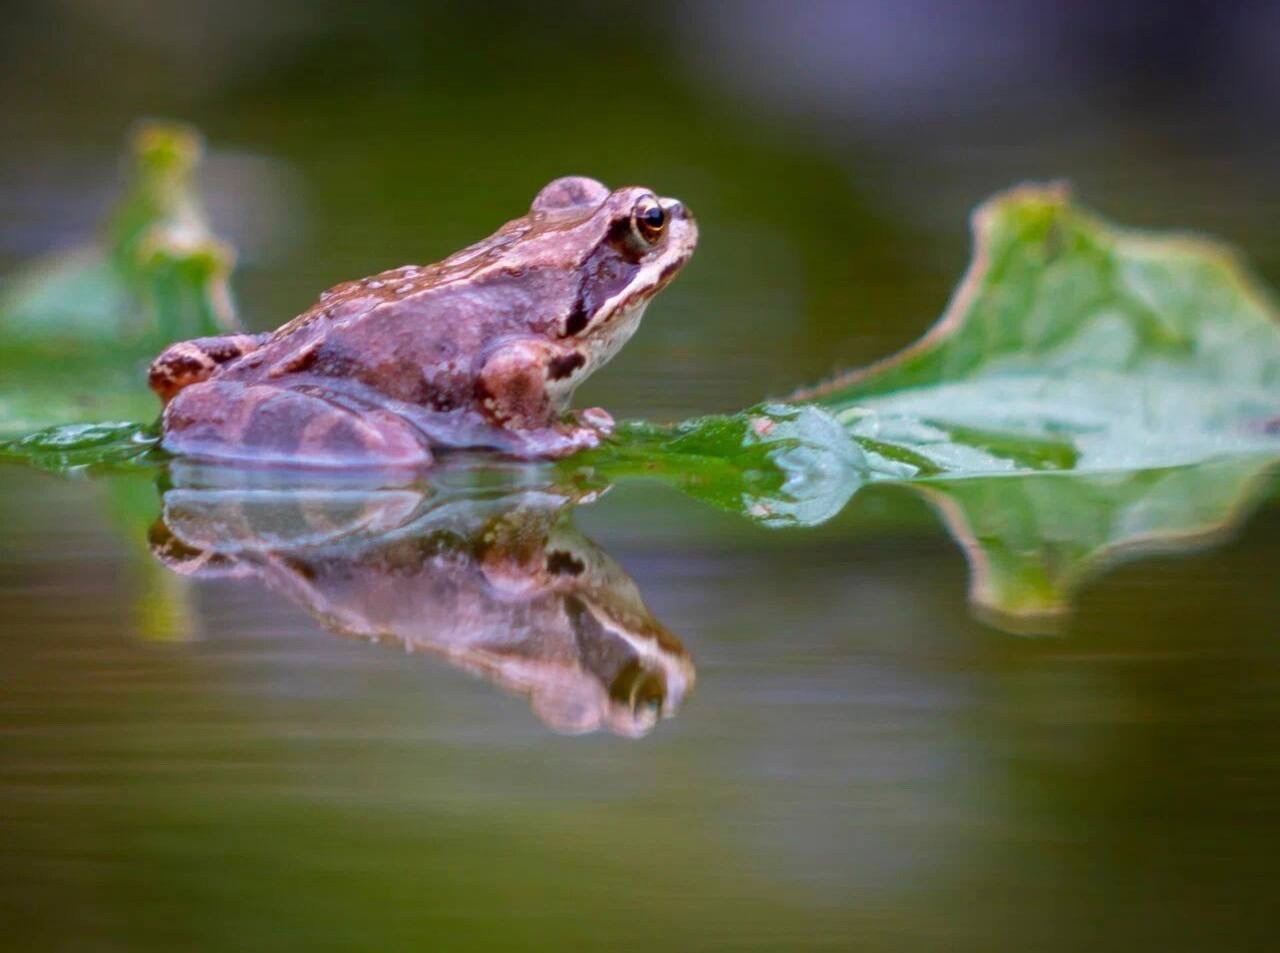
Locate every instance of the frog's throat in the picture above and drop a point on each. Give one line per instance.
(597, 348)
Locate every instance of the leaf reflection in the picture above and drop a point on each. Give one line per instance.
(1033, 541)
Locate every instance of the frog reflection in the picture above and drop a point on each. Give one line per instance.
(499, 583)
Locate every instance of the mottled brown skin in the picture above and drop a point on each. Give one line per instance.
(483, 349)
(502, 587)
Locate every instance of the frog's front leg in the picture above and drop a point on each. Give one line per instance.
(522, 389)
(268, 424)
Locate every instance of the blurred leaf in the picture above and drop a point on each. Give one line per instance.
(79, 327)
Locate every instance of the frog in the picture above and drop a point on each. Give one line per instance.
(483, 349)
(499, 582)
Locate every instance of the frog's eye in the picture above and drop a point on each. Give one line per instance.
(648, 219)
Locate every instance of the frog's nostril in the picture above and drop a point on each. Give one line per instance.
(674, 208)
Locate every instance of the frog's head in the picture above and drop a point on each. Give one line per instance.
(624, 246)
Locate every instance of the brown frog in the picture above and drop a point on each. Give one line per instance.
(495, 581)
(483, 349)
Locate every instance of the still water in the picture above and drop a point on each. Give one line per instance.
(641, 724)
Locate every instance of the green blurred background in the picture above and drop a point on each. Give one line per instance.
(863, 766)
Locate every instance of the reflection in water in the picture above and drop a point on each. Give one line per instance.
(1032, 541)
(494, 576)
(495, 579)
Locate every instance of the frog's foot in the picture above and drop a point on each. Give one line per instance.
(598, 419)
(265, 424)
(559, 440)
(584, 430)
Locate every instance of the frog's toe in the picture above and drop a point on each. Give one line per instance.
(599, 420)
(580, 438)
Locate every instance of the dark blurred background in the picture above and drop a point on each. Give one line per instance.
(831, 149)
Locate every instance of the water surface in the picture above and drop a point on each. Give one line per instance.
(862, 764)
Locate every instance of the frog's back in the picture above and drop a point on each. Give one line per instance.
(352, 299)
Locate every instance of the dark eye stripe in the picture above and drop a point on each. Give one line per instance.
(577, 320)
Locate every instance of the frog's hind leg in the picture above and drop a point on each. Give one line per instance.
(223, 419)
(189, 362)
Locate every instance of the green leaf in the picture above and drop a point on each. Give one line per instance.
(1074, 345)
(778, 464)
(1143, 371)
(71, 447)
